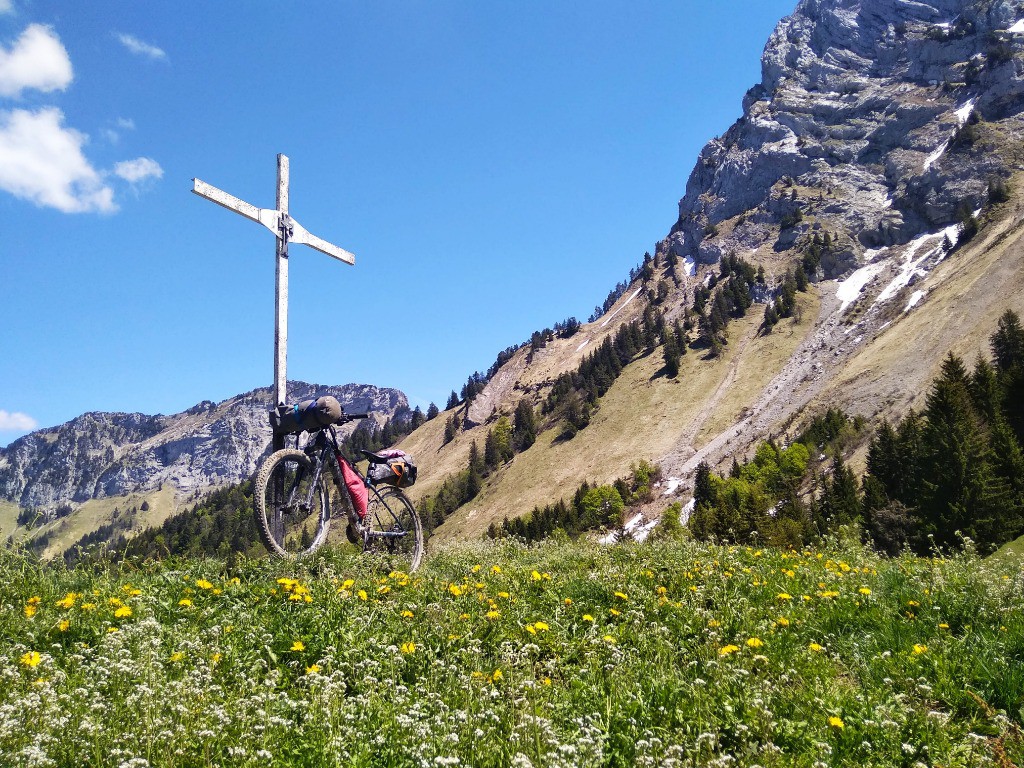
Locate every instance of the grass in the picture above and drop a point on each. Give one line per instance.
(493, 655)
(8, 518)
(96, 512)
(643, 416)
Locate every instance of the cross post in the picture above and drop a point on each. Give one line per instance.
(286, 229)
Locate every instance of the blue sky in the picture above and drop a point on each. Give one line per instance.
(496, 167)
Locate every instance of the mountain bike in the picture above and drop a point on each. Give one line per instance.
(295, 504)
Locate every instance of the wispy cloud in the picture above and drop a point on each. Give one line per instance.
(37, 60)
(139, 169)
(6, 6)
(41, 161)
(141, 48)
(16, 422)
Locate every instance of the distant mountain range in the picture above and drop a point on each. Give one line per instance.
(99, 455)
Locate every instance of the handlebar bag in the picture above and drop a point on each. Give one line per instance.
(307, 416)
(399, 471)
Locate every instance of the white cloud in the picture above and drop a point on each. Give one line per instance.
(136, 46)
(125, 123)
(36, 60)
(16, 422)
(6, 6)
(139, 169)
(41, 161)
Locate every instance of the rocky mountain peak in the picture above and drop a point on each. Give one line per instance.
(875, 121)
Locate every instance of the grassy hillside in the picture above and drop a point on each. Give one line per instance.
(560, 655)
(643, 416)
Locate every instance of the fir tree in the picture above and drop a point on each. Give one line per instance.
(432, 411)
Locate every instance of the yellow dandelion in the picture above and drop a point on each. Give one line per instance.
(88, 606)
(609, 639)
(176, 657)
(476, 568)
(298, 646)
(568, 601)
(714, 623)
(361, 594)
(531, 629)
(587, 617)
(497, 676)
(67, 601)
(30, 611)
(123, 612)
(493, 614)
(31, 659)
(114, 602)
(816, 648)
(535, 576)
(864, 591)
(313, 669)
(111, 630)
(542, 626)
(463, 616)
(661, 590)
(407, 614)
(622, 596)
(614, 612)
(725, 650)
(215, 659)
(347, 584)
(546, 681)
(203, 584)
(64, 624)
(919, 649)
(35, 600)
(504, 595)
(836, 722)
(755, 642)
(784, 596)
(782, 621)
(455, 589)
(185, 602)
(408, 647)
(943, 626)
(495, 569)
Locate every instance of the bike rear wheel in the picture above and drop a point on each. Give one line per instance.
(292, 514)
(393, 530)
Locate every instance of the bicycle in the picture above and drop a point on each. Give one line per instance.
(294, 504)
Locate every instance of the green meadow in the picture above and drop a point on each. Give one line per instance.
(494, 654)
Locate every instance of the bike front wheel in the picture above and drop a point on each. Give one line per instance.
(292, 503)
(392, 530)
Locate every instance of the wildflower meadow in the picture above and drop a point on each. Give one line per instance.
(495, 654)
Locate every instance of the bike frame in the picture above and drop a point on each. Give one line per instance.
(324, 447)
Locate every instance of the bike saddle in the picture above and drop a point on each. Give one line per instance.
(373, 458)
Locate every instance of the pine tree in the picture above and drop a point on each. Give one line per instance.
(524, 428)
(839, 503)
(453, 400)
(960, 492)
(672, 355)
(432, 411)
(449, 430)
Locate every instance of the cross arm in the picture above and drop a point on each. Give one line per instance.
(268, 217)
(301, 235)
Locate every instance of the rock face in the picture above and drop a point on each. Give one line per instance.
(111, 454)
(875, 121)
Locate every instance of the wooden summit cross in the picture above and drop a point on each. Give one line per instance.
(287, 231)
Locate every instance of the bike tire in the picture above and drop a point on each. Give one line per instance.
(287, 527)
(389, 511)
